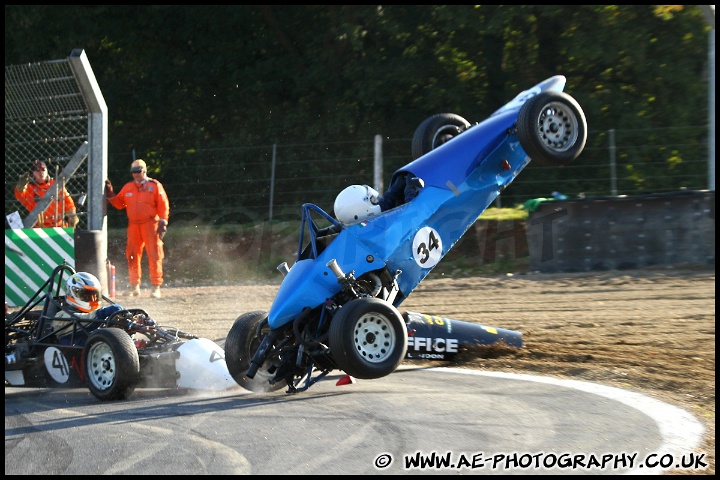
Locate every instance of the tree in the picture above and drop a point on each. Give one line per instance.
(184, 81)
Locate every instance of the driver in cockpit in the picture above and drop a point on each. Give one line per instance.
(358, 203)
(83, 292)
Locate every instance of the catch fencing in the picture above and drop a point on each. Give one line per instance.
(250, 184)
(52, 108)
(54, 112)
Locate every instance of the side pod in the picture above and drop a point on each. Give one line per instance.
(436, 338)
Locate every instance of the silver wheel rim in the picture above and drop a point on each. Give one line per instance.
(558, 126)
(101, 366)
(374, 337)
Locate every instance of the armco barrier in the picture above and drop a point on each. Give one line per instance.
(31, 254)
(619, 233)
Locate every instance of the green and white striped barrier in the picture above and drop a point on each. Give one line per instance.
(31, 254)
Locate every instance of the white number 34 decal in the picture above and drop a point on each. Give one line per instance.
(427, 247)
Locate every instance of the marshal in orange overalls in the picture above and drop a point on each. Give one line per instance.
(29, 192)
(147, 207)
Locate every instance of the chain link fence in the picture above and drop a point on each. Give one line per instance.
(252, 184)
(46, 118)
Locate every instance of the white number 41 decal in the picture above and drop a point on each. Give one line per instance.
(57, 365)
(427, 247)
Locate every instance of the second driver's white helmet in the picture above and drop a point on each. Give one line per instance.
(83, 291)
(356, 204)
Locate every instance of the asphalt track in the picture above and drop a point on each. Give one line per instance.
(483, 422)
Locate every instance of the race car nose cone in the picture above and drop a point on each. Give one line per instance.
(201, 366)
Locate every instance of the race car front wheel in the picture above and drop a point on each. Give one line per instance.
(552, 128)
(368, 338)
(240, 346)
(435, 131)
(111, 364)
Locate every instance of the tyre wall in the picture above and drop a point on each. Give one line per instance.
(619, 233)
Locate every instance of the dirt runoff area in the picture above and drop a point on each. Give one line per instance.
(650, 331)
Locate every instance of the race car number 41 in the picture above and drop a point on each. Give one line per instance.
(57, 365)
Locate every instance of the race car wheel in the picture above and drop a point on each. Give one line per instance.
(435, 131)
(240, 346)
(368, 338)
(111, 364)
(552, 128)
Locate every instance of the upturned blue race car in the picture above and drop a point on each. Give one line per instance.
(337, 307)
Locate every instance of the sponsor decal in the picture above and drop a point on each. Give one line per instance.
(427, 344)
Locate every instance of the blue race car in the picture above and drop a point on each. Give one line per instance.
(337, 307)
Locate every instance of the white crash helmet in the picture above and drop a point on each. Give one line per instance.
(83, 291)
(356, 203)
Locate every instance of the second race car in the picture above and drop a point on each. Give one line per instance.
(49, 344)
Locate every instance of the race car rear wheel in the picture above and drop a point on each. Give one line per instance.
(240, 346)
(435, 131)
(368, 338)
(111, 364)
(552, 128)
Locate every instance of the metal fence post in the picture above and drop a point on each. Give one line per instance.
(613, 166)
(378, 165)
(272, 181)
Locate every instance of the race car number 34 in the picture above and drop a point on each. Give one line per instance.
(427, 247)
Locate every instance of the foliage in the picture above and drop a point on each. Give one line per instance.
(190, 87)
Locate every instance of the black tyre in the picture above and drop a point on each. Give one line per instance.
(111, 364)
(368, 338)
(435, 131)
(240, 346)
(552, 128)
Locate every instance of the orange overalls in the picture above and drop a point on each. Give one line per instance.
(145, 203)
(53, 216)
